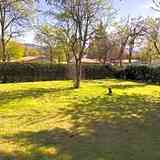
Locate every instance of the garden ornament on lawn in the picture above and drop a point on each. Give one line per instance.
(109, 91)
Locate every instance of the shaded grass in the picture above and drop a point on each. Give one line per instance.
(51, 120)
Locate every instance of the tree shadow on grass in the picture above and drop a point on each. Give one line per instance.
(17, 155)
(6, 97)
(119, 127)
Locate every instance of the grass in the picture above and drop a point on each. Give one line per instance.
(53, 121)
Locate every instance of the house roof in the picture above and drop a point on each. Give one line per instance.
(31, 58)
(86, 60)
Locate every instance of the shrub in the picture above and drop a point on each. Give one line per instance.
(23, 72)
(96, 71)
(19, 72)
(143, 73)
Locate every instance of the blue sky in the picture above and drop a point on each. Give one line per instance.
(133, 8)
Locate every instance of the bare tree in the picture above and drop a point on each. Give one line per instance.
(123, 35)
(82, 16)
(14, 14)
(152, 32)
(156, 5)
(136, 30)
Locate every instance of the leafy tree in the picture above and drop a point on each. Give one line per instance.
(102, 45)
(15, 50)
(32, 52)
(148, 53)
(46, 36)
(63, 43)
(60, 54)
(14, 15)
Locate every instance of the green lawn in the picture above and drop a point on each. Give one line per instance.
(53, 121)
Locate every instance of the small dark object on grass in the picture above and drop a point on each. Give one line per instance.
(109, 91)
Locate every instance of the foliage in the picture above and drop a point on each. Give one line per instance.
(148, 53)
(32, 52)
(144, 73)
(14, 17)
(81, 21)
(152, 36)
(53, 40)
(19, 72)
(102, 45)
(15, 50)
(97, 71)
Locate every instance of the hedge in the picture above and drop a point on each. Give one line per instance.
(23, 72)
(28, 72)
(97, 71)
(144, 73)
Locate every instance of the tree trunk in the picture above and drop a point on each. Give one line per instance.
(50, 54)
(105, 59)
(67, 58)
(77, 74)
(120, 62)
(150, 60)
(59, 60)
(3, 48)
(130, 54)
(120, 56)
(156, 47)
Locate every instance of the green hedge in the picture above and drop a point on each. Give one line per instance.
(20, 72)
(97, 71)
(143, 73)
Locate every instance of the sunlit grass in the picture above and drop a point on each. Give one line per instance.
(53, 121)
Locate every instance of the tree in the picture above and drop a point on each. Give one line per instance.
(46, 36)
(60, 53)
(14, 50)
(81, 16)
(63, 42)
(102, 45)
(123, 35)
(157, 5)
(32, 51)
(55, 41)
(14, 15)
(152, 32)
(98, 46)
(148, 53)
(136, 31)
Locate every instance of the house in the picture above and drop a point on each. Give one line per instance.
(86, 60)
(156, 61)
